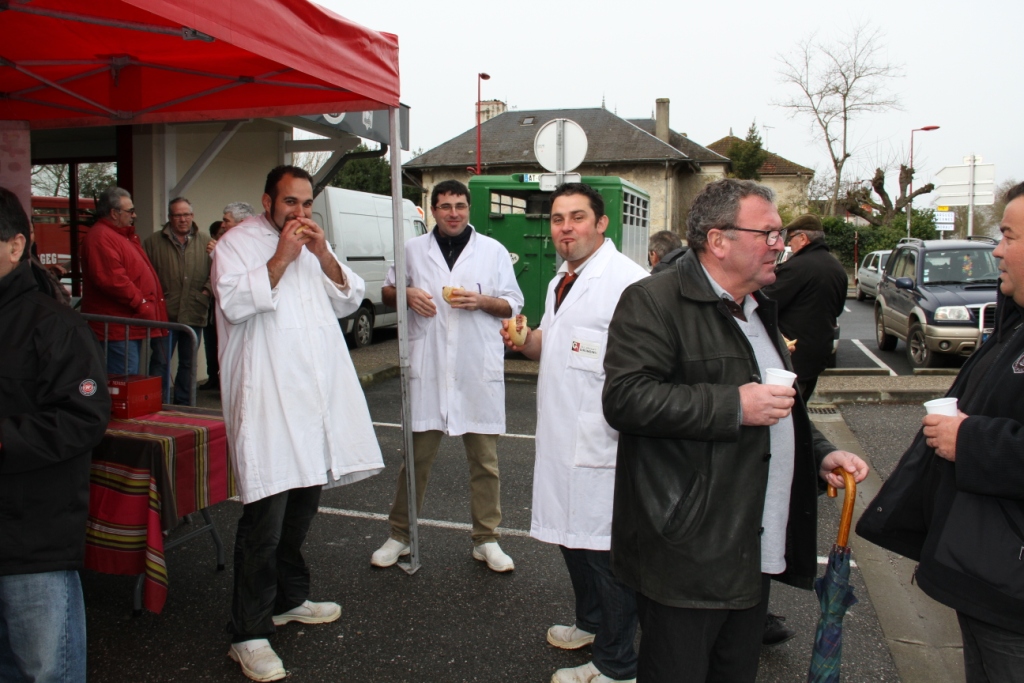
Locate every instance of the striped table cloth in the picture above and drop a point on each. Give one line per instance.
(147, 473)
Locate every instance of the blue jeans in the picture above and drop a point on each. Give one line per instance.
(117, 364)
(160, 364)
(605, 607)
(271, 575)
(42, 628)
(991, 653)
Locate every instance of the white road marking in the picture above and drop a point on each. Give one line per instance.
(393, 425)
(847, 309)
(878, 361)
(459, 526)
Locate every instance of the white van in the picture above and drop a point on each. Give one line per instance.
(358, 226)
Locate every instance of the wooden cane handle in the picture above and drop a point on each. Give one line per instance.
(848, 501)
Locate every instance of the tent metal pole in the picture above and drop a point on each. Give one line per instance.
(398, 220)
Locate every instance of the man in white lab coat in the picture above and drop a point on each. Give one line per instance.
(574, 474)
(457, 378)
(296, 415)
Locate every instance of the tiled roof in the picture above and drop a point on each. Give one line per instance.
(773, 165)
(507, 139)
(683, 143)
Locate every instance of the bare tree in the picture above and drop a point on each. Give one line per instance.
(884, 209)
(838, 82)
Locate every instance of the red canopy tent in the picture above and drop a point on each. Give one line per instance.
(65, 63)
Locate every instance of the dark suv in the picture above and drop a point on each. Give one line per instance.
(939, 296)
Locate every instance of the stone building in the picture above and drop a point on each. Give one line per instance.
(647, 152)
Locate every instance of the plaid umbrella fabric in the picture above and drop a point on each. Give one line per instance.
(835, 595)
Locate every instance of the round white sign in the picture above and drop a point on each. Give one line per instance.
(574, 145)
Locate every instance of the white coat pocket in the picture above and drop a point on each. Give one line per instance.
(596, 442)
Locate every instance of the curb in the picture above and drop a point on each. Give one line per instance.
(379, 375)
(843, 396)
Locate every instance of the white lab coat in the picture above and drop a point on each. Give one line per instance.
(574, 473)
(457, 359)
(296, 415)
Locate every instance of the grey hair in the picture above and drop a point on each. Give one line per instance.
(663, 242)
(717, 205)
(109, 199)
(240, 210)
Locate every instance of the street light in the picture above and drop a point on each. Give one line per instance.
(909, 203)
(479, 77)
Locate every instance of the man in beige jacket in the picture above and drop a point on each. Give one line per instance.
(179, 256)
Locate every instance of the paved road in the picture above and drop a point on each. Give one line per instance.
(857, 347)
(452, 621)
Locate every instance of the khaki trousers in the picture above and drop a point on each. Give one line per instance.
(484, 487)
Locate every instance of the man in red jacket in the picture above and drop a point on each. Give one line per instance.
(118, 280)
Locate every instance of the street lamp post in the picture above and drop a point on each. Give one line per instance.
(909, 203)
(479, 77)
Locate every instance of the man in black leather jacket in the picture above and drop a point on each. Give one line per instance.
(717, 473)
(54, 408)
(961, 514)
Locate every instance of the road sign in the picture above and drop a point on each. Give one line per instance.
(944, 216)
(560, 145)
(955, 185)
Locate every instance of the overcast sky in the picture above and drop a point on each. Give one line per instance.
(717, 64)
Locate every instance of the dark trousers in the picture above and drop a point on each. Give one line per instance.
(271, 576)
(160, 364)
(605, 607)
(210, 344)
(681, 645)
(991, 653)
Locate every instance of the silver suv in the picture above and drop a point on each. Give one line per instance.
(939, 296)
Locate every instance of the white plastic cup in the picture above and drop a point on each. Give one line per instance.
(941, 406)
(779, 376)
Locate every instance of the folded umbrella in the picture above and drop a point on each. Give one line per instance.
(835, 594)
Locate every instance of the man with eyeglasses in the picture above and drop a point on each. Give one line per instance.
(179, 254)
(717, 472)
(119, 280)
(810, 289)
(459, 285)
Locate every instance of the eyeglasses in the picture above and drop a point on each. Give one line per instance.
(793, 236)
(770, 236)
(182, 215)
(131, 211)
(449, 207)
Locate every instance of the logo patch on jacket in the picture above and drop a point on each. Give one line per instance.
(87, 387)
(1018, 365)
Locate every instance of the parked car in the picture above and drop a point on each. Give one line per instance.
(870, 272)
(939, 296)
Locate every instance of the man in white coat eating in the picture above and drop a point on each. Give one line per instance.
(296, 415)
(459, 285)
(574, 474)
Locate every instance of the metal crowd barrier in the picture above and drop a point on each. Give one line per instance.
(144, 356)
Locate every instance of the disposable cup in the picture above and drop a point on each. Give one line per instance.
(779, 376)
(941, 406)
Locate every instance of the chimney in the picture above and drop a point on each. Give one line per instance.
(489, 109)
(661, 119)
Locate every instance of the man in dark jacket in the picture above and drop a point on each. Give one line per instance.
(54, 408)
(663, 249)
(717, 473)
(961, 514)
(182, 262)
(810, 289)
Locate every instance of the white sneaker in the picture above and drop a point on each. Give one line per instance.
(388, 554)
(309, 613)
(259, 661)
(494, 556)
(569, 637)
(579, 674)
